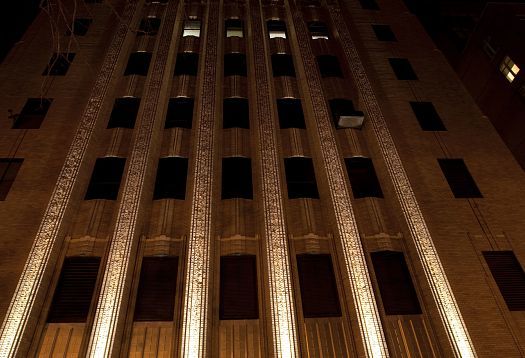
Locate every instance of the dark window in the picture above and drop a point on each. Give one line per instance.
(180, 113)
(459, 178)
(329, 66)
(92, 1)
(395, 285)
(187, 64)
(384, 33)
(427, 116)
(235, 64)
(344, 114)
(8, 170)
(105, 180)
(80, 27)
(149, 26)
(58, 64)
(138, 63)
(402, 69)
(33, 113)
(318, 30)
(363, 179)
(238, 288)
(290, 113)
(282, 65)
(234, 28)
(509, 277)
(237, 178)
(74, 291)
(157, 287)
(171, 178)
(276, 28)
(124, 112)
(369, 4)
(300, 177)
(318, 288)
(235, 113)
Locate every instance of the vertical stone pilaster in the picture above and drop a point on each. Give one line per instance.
(441, 290)
(195, 311)
(355, 266)
(282, 307)
(113, 294)
(48, 235)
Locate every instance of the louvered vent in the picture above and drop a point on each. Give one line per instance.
(509, 276)
(74, 291)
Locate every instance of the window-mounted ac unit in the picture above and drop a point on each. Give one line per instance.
(354, 120)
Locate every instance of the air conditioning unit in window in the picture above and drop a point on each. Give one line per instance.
(354, 120)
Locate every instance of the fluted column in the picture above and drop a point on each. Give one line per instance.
(195, 311)
(48, 237)
(441, 290)
(114, 291)
(282, 305)
(355, 266)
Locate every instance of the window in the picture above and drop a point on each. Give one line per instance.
(329, 66)
(509, 277)
(124, 112)
(33, 113)
(427, 116)
(237, 178)
(509, 69)
(318, 30)
(402, 69)
(384, 33)
(74, 291)
(395, 284)
(276, 28)
(105, 180)
(363, 179)
(318, 288)
(80, 27)
(138, 63)
(58, 64)
(234, 28)
(149, 26)
(290, 113)
(92, 1)
(180, 113)
(369, 4)
(235, 64)
(238, 288)
(157, 288)
(344, 114)
(171, 178)
(235, 113)
(187, 64)
(9, 168)
(192, 28)
(282, 65)
(300, 178)
(459, 178)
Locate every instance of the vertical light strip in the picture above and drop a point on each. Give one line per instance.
(197, 275)
(114, 284)
(434, 272)
(47, 237)
(283, 318)
(354, 258)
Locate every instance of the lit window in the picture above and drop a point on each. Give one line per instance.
(318, 30)
(192, 28)
(234, 28)
(509, 69)
(276, 28)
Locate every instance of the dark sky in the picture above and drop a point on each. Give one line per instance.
(16, 15)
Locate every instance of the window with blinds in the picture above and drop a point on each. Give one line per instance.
(509, 277)
(238, 288)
